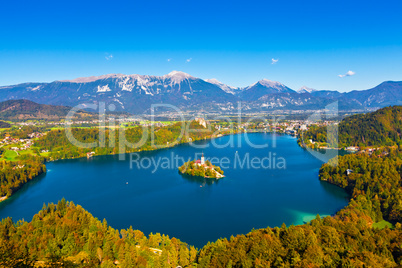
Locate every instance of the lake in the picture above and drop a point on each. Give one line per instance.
(153, 197)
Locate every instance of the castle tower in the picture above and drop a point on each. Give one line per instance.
(202, 159)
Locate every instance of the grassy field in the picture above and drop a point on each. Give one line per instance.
(10, 155)
(29, 151)
(57, 128)
(382, 224)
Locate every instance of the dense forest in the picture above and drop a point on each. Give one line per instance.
(13, 175)
(65, 235)
(376, 176)
(380, 128)
(4, 124)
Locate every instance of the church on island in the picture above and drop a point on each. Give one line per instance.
(202, 161)
(201, 168)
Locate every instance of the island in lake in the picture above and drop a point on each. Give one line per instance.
(201, 168)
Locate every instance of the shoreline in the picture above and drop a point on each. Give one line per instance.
(185, 143)
(178, 144)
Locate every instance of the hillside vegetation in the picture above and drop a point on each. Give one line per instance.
(26, 109)
(60, 147)
(13, 175)
(65, 235)
(380, 128)
(4, 124)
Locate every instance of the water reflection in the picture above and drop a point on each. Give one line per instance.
(200, 180)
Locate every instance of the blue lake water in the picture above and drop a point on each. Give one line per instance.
(194, 210)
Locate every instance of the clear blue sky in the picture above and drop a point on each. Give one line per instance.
(313, 41)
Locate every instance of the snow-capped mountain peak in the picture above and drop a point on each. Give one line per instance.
(177, 76)
(224, 87)
(262, 88)
(178, 73)
(305, 89)
(92, 78)
(279, 87)
(269, 83)
(214, 81)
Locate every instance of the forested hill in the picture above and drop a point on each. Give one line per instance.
(26, 109)
(4, 124)
(380, 128)
(65, 235)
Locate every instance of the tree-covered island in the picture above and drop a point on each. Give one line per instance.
(201, 168)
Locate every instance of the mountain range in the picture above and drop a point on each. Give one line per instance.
(136, 94)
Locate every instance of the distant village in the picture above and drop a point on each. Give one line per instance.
(21, 144)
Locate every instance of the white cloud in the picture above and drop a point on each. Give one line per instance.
(169, 60)
(188, 60)
(108, 56)
(349, 73)
(273, 61)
